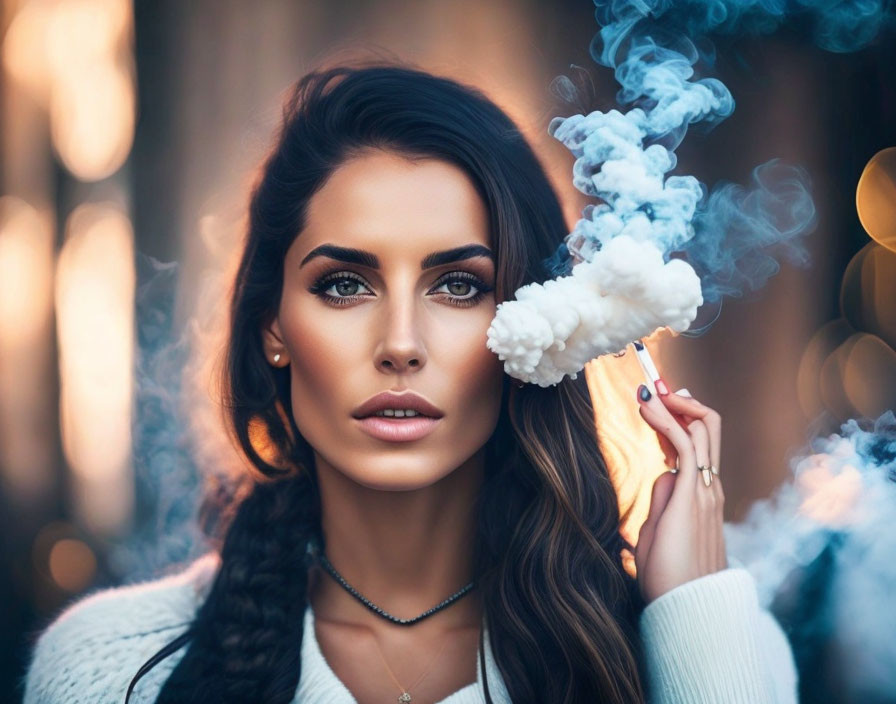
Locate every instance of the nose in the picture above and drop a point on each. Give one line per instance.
(401, 348)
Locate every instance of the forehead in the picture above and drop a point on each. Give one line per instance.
(388, 204)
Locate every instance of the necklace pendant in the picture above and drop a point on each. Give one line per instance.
(405, 697)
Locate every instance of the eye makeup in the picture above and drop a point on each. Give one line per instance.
(329, 279)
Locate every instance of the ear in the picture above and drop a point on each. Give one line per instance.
(272, 342)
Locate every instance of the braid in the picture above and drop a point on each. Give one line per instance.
(246, 638)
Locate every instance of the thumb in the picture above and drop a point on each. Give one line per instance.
(659, 498)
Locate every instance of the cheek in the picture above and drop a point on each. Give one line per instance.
(474, 373)
(322, 351)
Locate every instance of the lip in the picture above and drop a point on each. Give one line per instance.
(390, 399)
(398, 429)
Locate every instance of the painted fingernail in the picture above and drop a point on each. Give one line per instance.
(661, 387)
(644, 393)
(684, 392)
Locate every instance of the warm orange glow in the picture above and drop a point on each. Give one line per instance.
(94, 303)
(72, 564)
(86, 32)
(25, 50)
(26, 407)
(26, 271)
(869, 376)
(881, 293)
(261, 442)
(830, 498)
(854, 373)
(825, 340)
(59, 554)
(92, 114)
(868, 291)
(876, 198)
(630, 446)
(832, 381)
(71, 56)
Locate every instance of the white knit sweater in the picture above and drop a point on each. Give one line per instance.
(705, 642)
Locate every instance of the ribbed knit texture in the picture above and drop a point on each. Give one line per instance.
(706, 641)
(710, 643)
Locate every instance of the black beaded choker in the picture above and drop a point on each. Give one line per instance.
(314, 549)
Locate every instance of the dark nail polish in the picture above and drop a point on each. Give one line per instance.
(644, 393)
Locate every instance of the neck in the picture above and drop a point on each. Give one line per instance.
(405, 551)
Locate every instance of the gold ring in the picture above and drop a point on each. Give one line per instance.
(707, 474)
(714, 469)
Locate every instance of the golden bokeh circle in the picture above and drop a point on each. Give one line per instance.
(876, 198)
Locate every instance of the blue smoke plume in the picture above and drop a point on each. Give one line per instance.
(166, 474)
(821, 550)
(732, 235)
(834, 25)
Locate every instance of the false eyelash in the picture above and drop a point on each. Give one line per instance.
(325, 281)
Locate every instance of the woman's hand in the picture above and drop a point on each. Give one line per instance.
(682, 537)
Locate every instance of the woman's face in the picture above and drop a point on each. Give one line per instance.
(390, 321)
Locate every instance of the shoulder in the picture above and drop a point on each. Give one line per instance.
(711, 635)
(92, 649)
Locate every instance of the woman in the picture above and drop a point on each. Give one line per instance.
(395, 211)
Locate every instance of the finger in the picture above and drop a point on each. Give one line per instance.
(658, 417)
(713, 422)
(712, 520)
(682, 417)
(659, 498)
(683, 404)
(700, 438)
(721, 556)
(704, 498)
(670, 455)
(710, 546)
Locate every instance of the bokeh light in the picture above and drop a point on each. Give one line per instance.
(95, 302)
(72, 564)
(869, 376)
(876, 198)
(26, 309)
(819, 349)
(92, 119)
(869, 290)
(73, 57)
(833, 383)
(26, 271)
(62, 558)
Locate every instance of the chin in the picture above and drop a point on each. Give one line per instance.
(393, 479)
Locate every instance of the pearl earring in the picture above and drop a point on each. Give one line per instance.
(276, 358)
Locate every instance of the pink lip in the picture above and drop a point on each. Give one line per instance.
(391, 399)
(398, 429)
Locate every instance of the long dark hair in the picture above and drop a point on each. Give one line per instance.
(561, 610)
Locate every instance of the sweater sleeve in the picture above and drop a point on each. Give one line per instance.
(92, 649)
(79, 659)
(709, 642)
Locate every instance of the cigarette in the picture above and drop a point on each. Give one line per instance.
(647, 364)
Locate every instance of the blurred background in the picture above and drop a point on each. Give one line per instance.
(129, 135)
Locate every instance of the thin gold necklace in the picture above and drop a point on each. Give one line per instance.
(405, 695)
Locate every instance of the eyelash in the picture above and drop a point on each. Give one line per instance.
(325, 281)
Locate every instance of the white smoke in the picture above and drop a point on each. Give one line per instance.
(624, 292)
(624, 159)
(841, 502)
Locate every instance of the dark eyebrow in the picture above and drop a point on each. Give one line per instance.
(362, 258)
